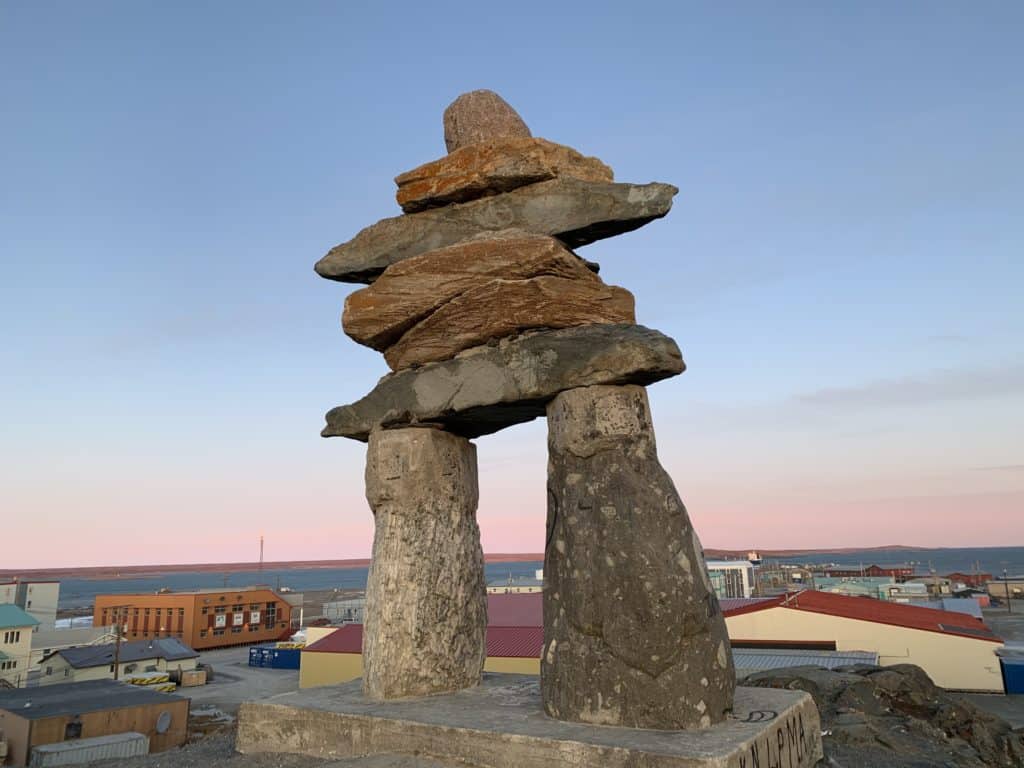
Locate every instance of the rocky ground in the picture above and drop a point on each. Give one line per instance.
(872, 717)
(895, 717)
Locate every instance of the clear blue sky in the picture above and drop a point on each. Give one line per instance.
(842, 269)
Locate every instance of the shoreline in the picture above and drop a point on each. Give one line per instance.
(91, 573)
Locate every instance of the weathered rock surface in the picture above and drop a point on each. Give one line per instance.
(501, 308)
(410, 290)
(492, 167)
(426, 602)
(576, 212)
(896, 717)
(633, 631)
(480, 116)
(488, 388)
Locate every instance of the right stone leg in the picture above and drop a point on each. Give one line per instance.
(633, 634)
(426, 601)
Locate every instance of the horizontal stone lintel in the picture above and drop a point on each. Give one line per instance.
(488, 388)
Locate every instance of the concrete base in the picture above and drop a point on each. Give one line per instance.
(501, 724)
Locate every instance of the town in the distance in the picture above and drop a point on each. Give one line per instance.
(144, 668)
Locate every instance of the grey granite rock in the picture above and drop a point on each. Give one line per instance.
(633, 633)
(478, 116)
(488, 388)
(576, 212)
(426, 601)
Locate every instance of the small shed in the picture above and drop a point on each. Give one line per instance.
(32, 717)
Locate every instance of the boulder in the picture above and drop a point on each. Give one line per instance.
(492, 167)
(576, 212)
(633, 633)
(895, 716)
(410, 290)
(479, 116)
(488, 388)
(501, 308)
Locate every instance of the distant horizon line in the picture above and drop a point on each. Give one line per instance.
(341, 563)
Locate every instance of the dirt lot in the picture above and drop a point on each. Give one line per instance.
(234, 681)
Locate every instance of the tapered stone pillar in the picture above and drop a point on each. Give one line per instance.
(426, 602)
(633, 634)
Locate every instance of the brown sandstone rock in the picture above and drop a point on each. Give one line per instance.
(502, 308)
(479, 116)
(492, 167)
(410, 290)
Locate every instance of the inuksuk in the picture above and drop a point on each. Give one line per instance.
(488, 318)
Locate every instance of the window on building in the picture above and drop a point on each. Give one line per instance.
(111, 667)
(67, 673)
(147, 611)
(205, 610)
(254, 628)
(49, 670)
(202, 633)
(237, 608)
(218, 632)
(181, 611)
(220, 609)
(236, 630)
(73, 730)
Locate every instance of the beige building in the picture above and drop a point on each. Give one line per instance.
(956, 650)
(16, 627)
(45, 642)
(1011, 587)
(99, 662)
(36, 598)
(523, 585)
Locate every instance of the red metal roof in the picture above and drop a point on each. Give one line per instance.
(516, 610)
(878, 611)
(515, 642)
(346, 639)
(507, 642)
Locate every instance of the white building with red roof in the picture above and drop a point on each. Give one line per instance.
(957, 650)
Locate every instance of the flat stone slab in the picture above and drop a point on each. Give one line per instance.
(576, 212)
(501, 724)
(491, 387)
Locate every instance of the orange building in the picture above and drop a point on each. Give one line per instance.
(202, 618)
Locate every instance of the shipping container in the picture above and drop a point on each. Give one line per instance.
(274, 658)
(118, 745)
(1013, 675)
(193, 677)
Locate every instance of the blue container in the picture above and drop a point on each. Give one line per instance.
(285, 658)
(1013, 675)
(274, 658)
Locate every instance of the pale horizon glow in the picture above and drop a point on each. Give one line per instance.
(841, 268)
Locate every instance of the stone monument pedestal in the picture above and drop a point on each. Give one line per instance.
(501, 724)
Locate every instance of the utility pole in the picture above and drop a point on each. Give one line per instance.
(1006, 583)
(261, 553)
(117, 641)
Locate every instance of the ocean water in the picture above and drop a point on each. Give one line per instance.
(992, 560)
(77, 593)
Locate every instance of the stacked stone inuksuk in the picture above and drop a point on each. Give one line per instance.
(487, 318)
